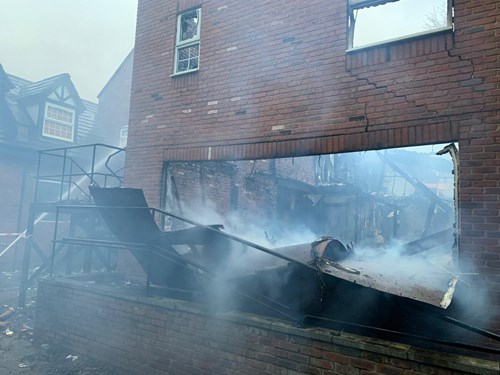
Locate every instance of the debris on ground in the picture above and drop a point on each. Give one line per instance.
(18, 352)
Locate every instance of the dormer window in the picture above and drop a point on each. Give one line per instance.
(59, 122)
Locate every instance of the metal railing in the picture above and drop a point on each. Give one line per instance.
(78, 164)
(152, 249)
(67, 172)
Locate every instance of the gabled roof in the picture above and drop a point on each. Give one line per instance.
(16, 124)
(7, 119)
(11, 98)
(5, 83)
(48, 85)
(125, 61)
(17, 111)
(18, 81)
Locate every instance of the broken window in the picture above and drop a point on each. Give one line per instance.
(187, 47)
(378, 21)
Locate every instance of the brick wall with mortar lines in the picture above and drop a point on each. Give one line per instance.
(159, 336)
(204, 191)
(206, 188)
(393, 86)
(284, 63)
(211, 184)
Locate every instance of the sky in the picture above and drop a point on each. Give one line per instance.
(88, 39)
(393, 20)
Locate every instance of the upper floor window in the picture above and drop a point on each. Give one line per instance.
(123, 136)
(59, 122)
(381, 21)
(187, 46)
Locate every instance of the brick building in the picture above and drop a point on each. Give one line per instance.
(114, 102)
(224, 81)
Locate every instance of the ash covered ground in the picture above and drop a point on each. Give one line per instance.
(20, 353)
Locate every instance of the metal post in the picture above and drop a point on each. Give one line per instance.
(93, 165)
(27, 257)
(56, 225)
(69, 257)
(37, 176)
(20, 215)
(61, 190)
(148, 273)
(69, 180)
(87, 260)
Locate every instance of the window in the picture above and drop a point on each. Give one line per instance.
(59, 122)
(187, 47)
(123, 136)
(378, 21)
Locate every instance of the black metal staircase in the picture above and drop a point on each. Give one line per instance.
(64, 176)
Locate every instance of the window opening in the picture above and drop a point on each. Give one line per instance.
(123, 136)
(187, 48)
(59, 122)
(377, 21)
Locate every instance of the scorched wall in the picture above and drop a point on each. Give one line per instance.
(275, 80)
(139, 335)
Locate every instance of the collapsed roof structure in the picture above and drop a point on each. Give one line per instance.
(325, 280)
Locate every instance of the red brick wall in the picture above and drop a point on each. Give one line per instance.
(283, 64)
(151, 336)
(247, 186)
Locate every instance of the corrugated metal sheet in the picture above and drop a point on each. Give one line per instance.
(431, 284)
(434, 286)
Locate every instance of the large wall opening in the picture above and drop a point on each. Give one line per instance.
(373, 199)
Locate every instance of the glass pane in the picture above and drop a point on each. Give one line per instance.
(183, 53)
(188, 58)
(182, 66)
(194, 51)
(59, 114)
(54, 129)
(193, 64)
(189, 25)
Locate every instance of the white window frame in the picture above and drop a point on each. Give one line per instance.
(187, 43)
(59, 122)
(123, 138)
(354, 5)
